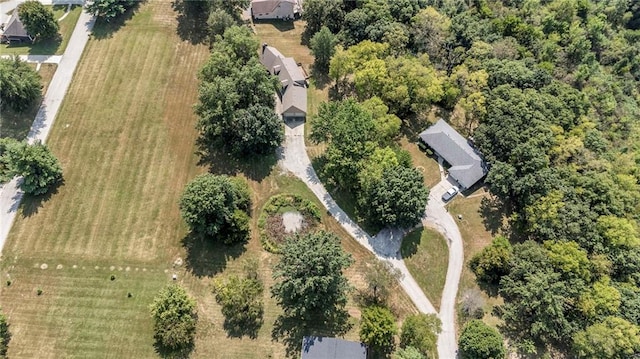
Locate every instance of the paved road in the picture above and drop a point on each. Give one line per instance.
(10, 195)
(42, 59)
(437, 216)
(385, 245)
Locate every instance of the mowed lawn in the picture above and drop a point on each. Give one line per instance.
(126, 139)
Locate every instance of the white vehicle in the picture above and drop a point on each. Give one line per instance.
(451, 192)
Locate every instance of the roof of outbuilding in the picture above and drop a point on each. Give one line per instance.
(268, 6)
(467, 165)
(332, 348)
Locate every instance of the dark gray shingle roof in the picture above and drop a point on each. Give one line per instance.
(467, 166)
(332, 348)
(293, 81)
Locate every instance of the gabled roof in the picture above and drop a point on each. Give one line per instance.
(268, 6)
(332, 348)
(467, 165)
(14, 27)
(292, 80)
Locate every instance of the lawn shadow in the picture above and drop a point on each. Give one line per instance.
(290, 330)
(169, 353)
(489, 288)
(249, 327)
(492, 211)
(192, 20)
(411, 243)
(206, 257)
(280, 25)
(320, 78)
(32, 204)
(105, 29)
(256, 167)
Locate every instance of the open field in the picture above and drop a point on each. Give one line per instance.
(17, 125)
(475, 236)
(49, 47)
(426, 255)
(126, 139)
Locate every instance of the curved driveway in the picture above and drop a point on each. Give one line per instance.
(386, 244)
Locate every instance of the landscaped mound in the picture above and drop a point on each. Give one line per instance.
(285, 215)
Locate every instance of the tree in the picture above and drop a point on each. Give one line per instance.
(398, 199)
(20, 84)
(480, 341)
(242, 306)
(430, 30)
(217, 206)
(309, 278)
(382, 278)
(613, 338)
(174, 318)
(5, 336)
(408, 353)
(378, 328)
(39, 167)
(319, 13)
(38, 20)
(323, 46)
(493, 261)
(258, 130)
(421, 332)
(109, 9)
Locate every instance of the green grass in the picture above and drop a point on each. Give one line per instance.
(49, 47)
(126, 139)
(17, 124)
(426, 255)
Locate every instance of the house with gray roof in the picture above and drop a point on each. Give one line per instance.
(14, 30)
(276, 9)
(293, 83)
(467, 164)
(332, 348)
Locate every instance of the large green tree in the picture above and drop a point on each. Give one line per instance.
(493, 262)
(20, 85)
(38, 20)
(613, 338)
(480, 341)
(217, 207)
(323, 46)
(421, 332)
(39, 167)
(398, 199)
(309, 276)
(378, 329)
(242, 305)
(174, 318)
(109, 10)
(257, 130)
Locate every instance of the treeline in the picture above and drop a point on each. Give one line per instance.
(549, 91)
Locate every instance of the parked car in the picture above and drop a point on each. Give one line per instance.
(451, 192)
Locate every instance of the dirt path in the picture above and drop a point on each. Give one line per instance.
(10, 195)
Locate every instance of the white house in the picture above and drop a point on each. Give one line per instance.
(276, 9)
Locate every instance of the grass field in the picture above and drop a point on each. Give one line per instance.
(426, 255)
(49, 47)
(126, 139)
(475, 236)
(17, 124)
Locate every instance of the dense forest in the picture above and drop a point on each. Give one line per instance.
(549, 92)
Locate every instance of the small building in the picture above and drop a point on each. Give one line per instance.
(332, 348)
(293, 83)
(276, 9)
(467, 164)
(14, 30)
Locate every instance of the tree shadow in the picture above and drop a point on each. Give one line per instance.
(411, 243)
(256, 167)
(239, 329)
(171, 353)
(290, 330)
(32, 204)
(492, 211)
(489, 288)
(192, 20)
(206, 257)
(320, 78)
(280, 25)
(105, 29)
